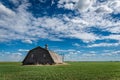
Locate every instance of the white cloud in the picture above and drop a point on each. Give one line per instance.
(104, 45)
(115, 37)
(14, 24)
(84, 5)
(89, 55)
(76, 55)
(4, 11)
(104, 9)
(15, 57)
(76, 44)
(115, 5)
(21, 25)
(68, 50)
(81, 5)
(23, 50)
(27, 41)
(7, 56)
(58, 27)
(115, 29)
(67, 4)
(79, 21)
(117, 52)
(111, 53)
(86, 37)
(106, 54)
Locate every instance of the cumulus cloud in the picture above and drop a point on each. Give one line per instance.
(106, 54)
(27, 41)
(115, 29)
(23, 50)
(22, 25)
(114, 37)
(15, 57)
(81, 5)
(68, 50)
(84, 5)
(14, 24)
(67, 4)
(111, 53)
(89, 55)
(76, 44)
(8, 56)
(115, 5)
(104, 9)
(65, 30)
(104, 45)
(116, 52)
(4, 11)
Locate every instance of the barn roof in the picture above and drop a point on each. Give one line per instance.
(56, 58)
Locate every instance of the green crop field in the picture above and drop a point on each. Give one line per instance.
(71, 71)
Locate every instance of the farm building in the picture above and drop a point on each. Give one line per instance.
(43, 56)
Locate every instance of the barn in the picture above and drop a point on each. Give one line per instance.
(42, 56)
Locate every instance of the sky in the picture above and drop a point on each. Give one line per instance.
(82, 30)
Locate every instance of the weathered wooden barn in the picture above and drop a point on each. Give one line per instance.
(43, 56)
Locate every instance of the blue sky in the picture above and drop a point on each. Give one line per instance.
(82, 30)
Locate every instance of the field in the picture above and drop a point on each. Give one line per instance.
(72, 71)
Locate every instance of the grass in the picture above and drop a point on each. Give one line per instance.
(73, 71)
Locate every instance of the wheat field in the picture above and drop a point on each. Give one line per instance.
(71, 71)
